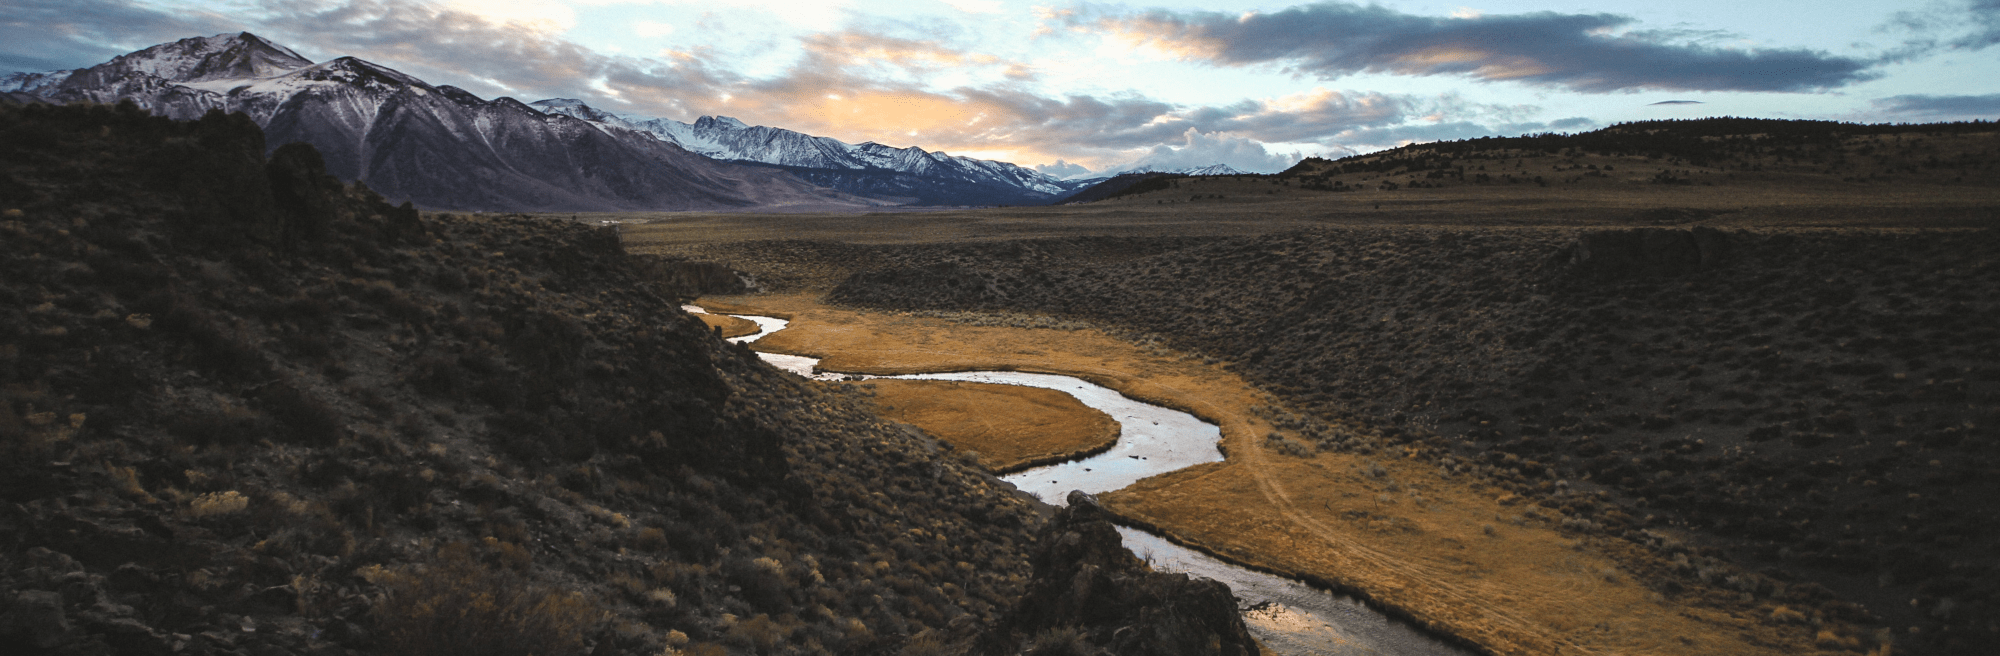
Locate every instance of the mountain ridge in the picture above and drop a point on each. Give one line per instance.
(868, 167)
(435, 145)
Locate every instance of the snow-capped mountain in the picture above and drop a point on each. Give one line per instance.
(1107, 174)
(1212, 169)
(866, 168)
(439, 146)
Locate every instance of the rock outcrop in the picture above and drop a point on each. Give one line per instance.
(1090, 595)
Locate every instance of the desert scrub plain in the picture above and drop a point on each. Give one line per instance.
(247, 409)
(1756, 360)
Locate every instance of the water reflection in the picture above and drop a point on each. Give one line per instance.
(1290, 617)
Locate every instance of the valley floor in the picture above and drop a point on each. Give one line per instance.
(1456, 555)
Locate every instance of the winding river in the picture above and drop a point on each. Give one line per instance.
(1287, 616)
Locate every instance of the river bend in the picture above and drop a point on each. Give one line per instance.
(1287, 616)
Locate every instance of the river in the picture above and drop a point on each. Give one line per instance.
(1287, 616)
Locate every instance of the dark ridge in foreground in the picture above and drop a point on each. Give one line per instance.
(245, 409)
(1800, 415)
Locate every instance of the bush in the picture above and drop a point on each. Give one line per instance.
(456, 606)
(308, 418)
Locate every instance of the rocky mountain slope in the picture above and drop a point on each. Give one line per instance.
(868, 168)
(245, 409)
(437, 146)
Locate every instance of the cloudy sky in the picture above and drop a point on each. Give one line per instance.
(1068, 87)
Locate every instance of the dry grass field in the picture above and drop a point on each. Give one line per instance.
(1007, 428)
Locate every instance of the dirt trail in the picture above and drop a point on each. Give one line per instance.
(1436, 549)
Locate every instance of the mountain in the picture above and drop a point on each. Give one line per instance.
(1134, 180)
(436, 145)
(932, 178)
(1085, 180)
(1212, 169)
(1123, 184)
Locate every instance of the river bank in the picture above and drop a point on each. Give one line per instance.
(1299, 618)
(1456, 555)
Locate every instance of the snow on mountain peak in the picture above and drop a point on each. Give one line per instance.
(722, 122)
(33, 82)
(355, 69)
(1212, 169)
(223, 56)
(726, 138)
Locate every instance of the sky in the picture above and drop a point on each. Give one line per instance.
(1070, 88)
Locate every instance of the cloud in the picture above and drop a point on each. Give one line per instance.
(487, 54)
(1583, 52)
(1941, 107)
(1062, 169)
(976, 6)
(848, 49)
(1985, 24)
(42, 35)
(1573, 124)
(1199, 148)
(1311, 115)
(819, 13)
(652, 29)
(1970, 25)
(1675, 102)
(543, 15)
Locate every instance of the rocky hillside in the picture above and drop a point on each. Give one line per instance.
(1817, 406)
(247, 409)
(1703, 152)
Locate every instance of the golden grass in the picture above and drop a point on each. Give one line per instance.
(1526, 588)
(731, 326)
(1012, 427)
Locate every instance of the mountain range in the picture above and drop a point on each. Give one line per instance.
(1212, 169)
(445, 148)
(924, 177)
(436, 145)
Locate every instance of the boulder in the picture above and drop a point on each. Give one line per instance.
(1086, 582)
(34, 618)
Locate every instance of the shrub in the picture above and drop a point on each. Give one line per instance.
(456, 606)
(1063, 641)
(760, 633)
(218, 503)
(310, 419)
(652, 539)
